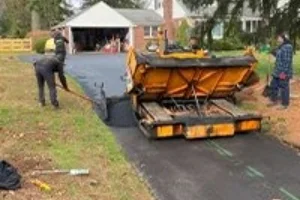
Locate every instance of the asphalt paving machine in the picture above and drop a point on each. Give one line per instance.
(179, 92)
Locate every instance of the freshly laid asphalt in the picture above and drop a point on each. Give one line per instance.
(245, 167)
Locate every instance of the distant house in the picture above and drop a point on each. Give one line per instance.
(100, 23)
(249, 19)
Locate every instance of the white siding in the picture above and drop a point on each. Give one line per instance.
(150, 5)
(71, 40)
(131, 36)
(178, 10)
(100, 15)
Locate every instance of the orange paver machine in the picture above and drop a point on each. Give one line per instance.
(186, 93)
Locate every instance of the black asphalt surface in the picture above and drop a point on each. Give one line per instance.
(244, 167)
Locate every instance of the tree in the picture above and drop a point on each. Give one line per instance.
(49, 12)
(183, 33)
(274, 19)
(116, 3)
(20, 16)
(16, 18)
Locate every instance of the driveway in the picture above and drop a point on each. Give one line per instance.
(245, 167)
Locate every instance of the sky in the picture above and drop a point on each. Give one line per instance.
(76, 3)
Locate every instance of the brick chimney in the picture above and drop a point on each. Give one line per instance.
(168, 18)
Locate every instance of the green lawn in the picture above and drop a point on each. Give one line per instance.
(73, 137)
(264, 61)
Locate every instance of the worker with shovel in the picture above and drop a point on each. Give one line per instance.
(282, 72)
(44, 71)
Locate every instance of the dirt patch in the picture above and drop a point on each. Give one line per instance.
(280, 123)
(24, 162)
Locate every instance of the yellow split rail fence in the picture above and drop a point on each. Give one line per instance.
(16, 45)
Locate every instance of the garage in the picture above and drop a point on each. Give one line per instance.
(106, 29)
(90, 30)
(95, 39)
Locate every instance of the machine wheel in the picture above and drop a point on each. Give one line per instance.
(232, 99)
(145, 131)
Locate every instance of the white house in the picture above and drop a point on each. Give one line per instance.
(249, 19)
(100, 23)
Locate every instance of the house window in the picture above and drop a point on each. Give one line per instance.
(218, 31)
(154, 31)
(150, 31)
(248, 26)
(147, 31)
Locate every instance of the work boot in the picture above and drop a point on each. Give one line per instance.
(42, 104)
(282, 107)
(271, 104)
(56, 106)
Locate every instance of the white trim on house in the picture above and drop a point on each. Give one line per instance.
(253, 24)
(71, 41)
(131, 36)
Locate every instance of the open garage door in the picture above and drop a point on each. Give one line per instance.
(99, 39)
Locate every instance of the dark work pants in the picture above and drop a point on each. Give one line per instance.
(43, 75)
(61, 57)
(282, 86)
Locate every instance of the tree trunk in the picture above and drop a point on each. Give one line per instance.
(35, 21)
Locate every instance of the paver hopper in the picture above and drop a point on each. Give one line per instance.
(187, 93)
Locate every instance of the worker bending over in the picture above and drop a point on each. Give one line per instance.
(45, 69)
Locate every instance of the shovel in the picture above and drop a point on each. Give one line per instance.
(100, 104)
(267, 90)
(72, 172)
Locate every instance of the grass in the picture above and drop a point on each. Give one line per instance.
(276, 124)
(73, 137)
(264, 61)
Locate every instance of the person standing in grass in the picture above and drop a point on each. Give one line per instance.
(45, 69)
(282, 73)
(60, 48)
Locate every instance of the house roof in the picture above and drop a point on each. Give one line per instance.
(97, 16)
(141, 16)
(102, 15)
(181, 10)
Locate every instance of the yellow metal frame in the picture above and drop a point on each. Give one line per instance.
(206, 131)
(186, 83)
(211, 130)
(248, 125)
